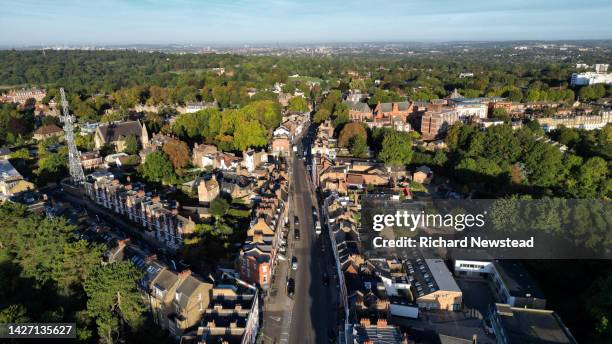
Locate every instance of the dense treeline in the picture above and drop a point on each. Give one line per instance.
(501, 161)
(173, 78)
(48, 275)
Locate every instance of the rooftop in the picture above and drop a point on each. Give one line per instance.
(517, 279)
(524, 325)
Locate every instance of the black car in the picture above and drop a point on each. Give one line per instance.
(296, 221)
(325, 278)
(296, 234)
(290, 286)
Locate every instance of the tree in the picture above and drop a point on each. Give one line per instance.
(599, 304)
(249, 134)
(591, 179)
(396, 149)
(349, 131)
(13, 314)
(178, 153)
(322, 115)
(440, 158)
(298, 104)
(219, 207)
(132, 145)
(543, 163)
(267, 112)
(113, 299)
(358, 146)
(501, 114)
(84, 142)
(157, 167)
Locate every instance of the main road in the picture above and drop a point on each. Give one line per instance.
(315, 305)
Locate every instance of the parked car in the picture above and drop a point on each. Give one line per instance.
(296, 234)
(296, 221)
(294, 263)
(290, 286)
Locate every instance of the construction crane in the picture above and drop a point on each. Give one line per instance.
(74, 156)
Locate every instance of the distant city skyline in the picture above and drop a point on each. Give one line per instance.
(28, 23)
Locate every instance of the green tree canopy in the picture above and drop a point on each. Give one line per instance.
(157, 167)
(396, 149)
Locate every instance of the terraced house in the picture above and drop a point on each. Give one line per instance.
(159, 218)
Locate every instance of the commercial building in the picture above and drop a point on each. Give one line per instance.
(510, 280)
(590, 78)
(516, 325)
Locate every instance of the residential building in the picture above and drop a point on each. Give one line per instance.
(324, 144)
(191, 107)
(21, 96)
(281, 145)
(355, 96)
(237, 186)
(591, 122)
(11, 181)
(208, 189)
(253, 159)
(517, 325)
(422, 175)
(232, 315)
(91, 160)
(226, 161)
(177, 300)
(47, 131)
(116, 134)
(203, 155)
(159, 218)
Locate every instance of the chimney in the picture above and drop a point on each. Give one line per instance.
(364, 322)
(184, 274)
(381, 323)
(123, 242)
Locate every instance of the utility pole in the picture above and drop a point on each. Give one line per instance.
(74, 156)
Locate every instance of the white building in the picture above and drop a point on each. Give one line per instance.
(590, 78)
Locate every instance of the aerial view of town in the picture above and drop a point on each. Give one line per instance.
(306, 172)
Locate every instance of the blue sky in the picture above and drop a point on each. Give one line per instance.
(28, 22)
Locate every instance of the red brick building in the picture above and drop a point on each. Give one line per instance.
(391, 111)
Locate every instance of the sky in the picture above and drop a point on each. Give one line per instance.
(29, 22)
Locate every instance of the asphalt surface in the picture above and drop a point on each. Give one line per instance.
(314, 305)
